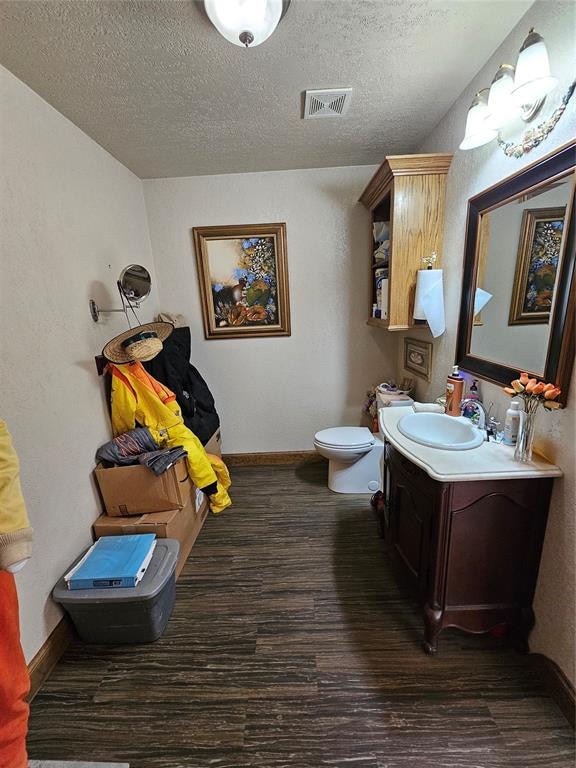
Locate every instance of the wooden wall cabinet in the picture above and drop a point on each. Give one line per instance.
(471, 550)
(408, 191)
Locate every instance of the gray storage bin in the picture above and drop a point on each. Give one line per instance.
(129, 614)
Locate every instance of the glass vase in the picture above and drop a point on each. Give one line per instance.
(525, 439)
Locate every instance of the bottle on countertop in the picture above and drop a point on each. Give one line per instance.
(473, 394)
(512, 423)
(454, 389)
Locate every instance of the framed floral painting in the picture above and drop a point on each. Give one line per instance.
(243, 280)
(539, 249)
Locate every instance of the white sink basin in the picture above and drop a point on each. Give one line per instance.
(437, 430)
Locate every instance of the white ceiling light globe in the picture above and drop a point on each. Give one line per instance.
(533, 80)
(246, 23)
(478, 132)
(500, 106)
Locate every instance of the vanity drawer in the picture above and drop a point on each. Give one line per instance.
(410, 471)
(527, 495)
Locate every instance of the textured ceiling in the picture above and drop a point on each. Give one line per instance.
(162, 91)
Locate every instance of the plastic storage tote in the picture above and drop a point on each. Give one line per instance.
(129, 615)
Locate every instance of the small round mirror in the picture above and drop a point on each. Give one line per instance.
(135, 282)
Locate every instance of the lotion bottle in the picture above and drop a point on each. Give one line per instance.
(512, 423)
(454, 389)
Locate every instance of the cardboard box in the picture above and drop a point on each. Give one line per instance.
(214, 445)
(184, 525)
(136, 490)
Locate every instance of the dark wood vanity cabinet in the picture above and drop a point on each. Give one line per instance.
(471, 550)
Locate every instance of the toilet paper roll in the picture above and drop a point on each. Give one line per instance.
(429, 302)
(481, 298)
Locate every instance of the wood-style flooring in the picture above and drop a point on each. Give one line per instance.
(73, 764)
(292, 646)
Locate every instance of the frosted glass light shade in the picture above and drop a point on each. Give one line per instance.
(478, 132)
(533, 80)
(232, 18)
(501, 107)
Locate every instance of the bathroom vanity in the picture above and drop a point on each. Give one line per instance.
(466, 529)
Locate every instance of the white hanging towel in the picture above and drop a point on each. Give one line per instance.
(429, 301)
(481, 298)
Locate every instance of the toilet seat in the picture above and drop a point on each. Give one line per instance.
(345, 437)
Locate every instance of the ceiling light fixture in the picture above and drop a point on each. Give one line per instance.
(246, 23)
(515, 92)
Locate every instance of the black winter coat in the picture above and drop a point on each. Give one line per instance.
(172, 368)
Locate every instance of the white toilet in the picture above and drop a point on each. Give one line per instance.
(355, 458)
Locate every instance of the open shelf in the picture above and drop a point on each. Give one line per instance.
(377, 322)
(408, 191)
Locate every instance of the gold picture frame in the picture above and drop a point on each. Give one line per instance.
(537, 263)
(243, 278)
(418, 357)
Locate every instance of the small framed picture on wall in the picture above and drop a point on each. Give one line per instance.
(418, 357)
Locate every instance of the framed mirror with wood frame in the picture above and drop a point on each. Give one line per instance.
(518, 287)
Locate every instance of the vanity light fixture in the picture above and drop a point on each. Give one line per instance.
(514, 92)
(502, 109)
(478, 130)
(246, 23)
(532, 81)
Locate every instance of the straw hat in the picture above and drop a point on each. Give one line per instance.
(140, 343)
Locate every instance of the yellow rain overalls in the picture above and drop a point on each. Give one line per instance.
(138, 398)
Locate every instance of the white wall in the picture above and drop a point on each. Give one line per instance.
(470, 173)
(273, 394)
(70, 218)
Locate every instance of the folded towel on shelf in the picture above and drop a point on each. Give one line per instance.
(385, 400)
(427, 408)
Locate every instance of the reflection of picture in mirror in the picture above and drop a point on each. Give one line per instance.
(536, 265)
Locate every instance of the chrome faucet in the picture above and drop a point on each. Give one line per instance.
(481, 411)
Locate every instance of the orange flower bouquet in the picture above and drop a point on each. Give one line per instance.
(532, 393)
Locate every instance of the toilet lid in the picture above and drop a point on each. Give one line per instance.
(345, 437)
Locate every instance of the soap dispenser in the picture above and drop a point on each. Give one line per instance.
(454, 389)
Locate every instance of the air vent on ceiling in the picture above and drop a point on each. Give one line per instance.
(328, 103)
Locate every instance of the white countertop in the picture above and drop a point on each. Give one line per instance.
(490, 461)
